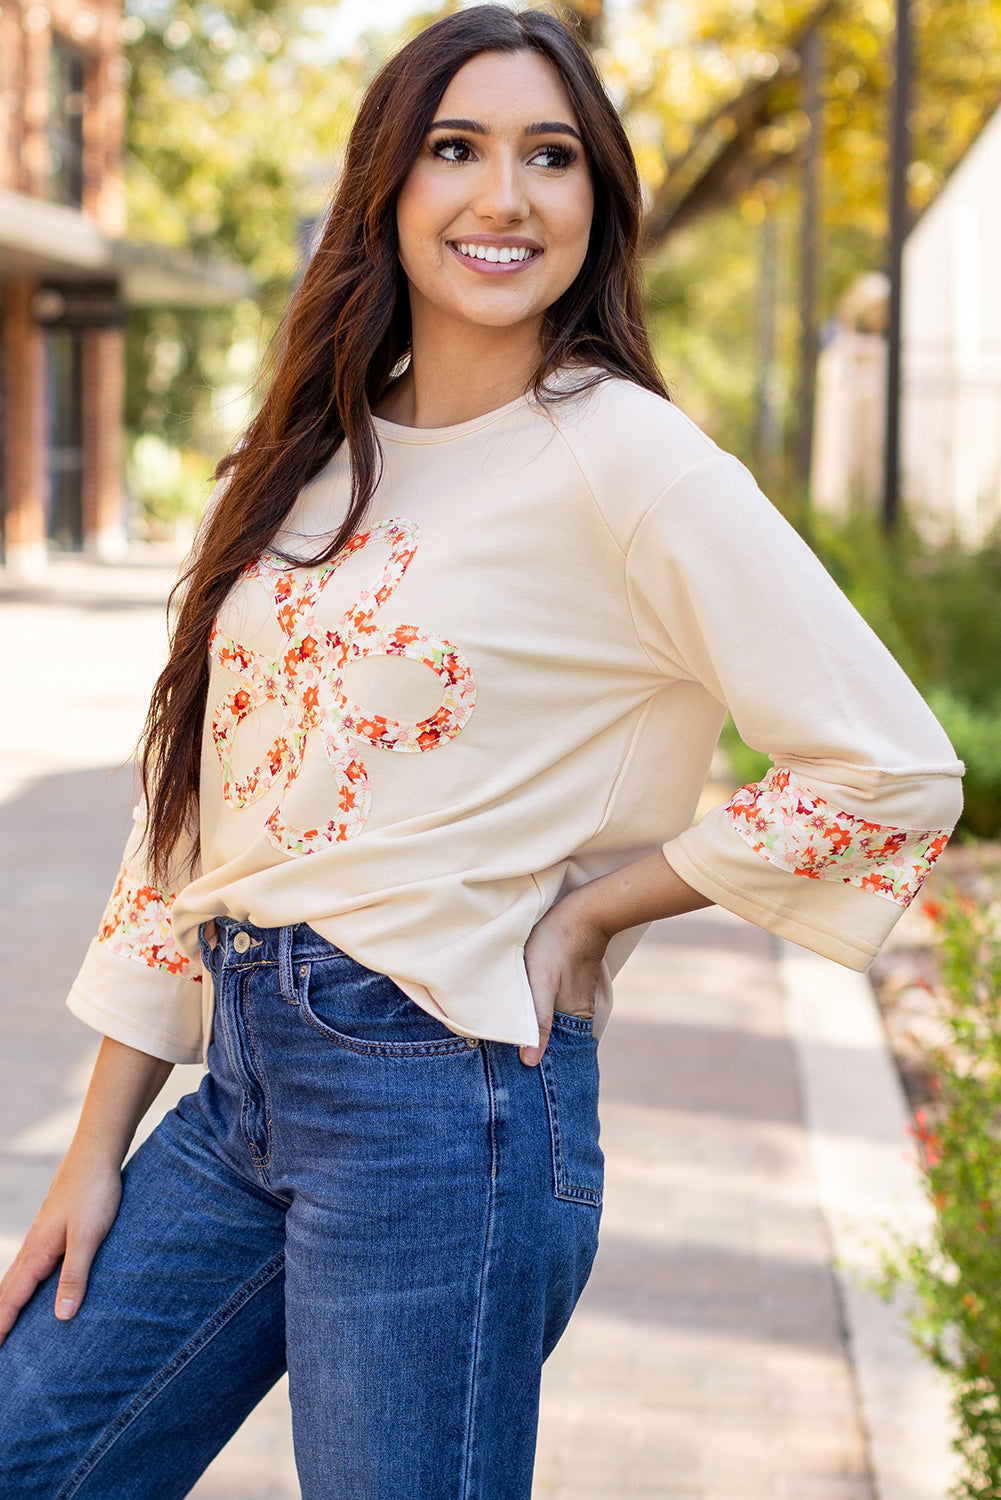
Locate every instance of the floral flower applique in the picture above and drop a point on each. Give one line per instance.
(795, 829)
(136, 924)
(307, 680)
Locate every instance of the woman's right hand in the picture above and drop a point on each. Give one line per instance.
(78, 1211)
(82, 1202)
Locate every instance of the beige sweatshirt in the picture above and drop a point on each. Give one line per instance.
(510, 682)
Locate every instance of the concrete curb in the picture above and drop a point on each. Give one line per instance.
(869, 1187)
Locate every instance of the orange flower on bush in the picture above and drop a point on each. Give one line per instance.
(929, 1141)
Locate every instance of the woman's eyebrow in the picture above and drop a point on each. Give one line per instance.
(551, 127)
(539, 127)
(473, 126)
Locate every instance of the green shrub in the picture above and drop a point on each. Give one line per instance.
(169, 485)
(937, 609)
(746, 765)
(976, 734)
(956, 1278)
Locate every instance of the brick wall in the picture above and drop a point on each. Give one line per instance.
(26, 31)
(24, 361)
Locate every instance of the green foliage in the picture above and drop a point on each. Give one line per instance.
(236, 119)
(936, 608)
(976, 734)
(673, 63)
(956, 1278)
(746, 765)
(700, 300)
(168, 485)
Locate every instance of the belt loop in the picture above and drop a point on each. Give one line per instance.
(286, 936)
(208, 952)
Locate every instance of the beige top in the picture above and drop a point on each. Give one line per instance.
(511, 681)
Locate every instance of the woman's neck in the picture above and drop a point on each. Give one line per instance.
(459, 373)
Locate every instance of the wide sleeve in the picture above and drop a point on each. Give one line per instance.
(864, 790)
(135, 984)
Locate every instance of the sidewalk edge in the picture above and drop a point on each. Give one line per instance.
(868, 1187)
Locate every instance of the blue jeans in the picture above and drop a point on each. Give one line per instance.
(406, 1216)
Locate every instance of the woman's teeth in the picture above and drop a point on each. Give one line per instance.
(503, 253)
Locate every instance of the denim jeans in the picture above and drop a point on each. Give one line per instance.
(406, 1216)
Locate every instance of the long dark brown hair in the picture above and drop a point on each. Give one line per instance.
(345, 330)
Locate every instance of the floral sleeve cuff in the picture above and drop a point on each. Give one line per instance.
(791, 826)
(797, 864)
(160, 1013)
(136, 924)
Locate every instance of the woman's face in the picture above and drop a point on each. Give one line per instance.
(495, 214)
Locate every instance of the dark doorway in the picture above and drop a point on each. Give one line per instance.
(64, 521)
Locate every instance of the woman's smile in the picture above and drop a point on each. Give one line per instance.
(496, 257)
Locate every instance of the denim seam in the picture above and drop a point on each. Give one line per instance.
(481, 1294)
(564, 1020)
(391, 1050)
(258, 1160)
(182, 1358)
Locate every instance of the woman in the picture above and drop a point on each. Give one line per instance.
(538, 584)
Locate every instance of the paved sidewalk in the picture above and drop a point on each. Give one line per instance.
(708, 1358)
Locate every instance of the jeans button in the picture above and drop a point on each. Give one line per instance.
(242, 941)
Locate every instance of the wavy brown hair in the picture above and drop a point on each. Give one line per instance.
(345, 330)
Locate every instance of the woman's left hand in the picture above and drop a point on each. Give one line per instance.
(563, 957)
(565, 947)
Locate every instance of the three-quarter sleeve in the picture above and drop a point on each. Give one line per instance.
(135, 984)
(832, 844)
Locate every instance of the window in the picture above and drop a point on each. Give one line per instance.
(65, 129)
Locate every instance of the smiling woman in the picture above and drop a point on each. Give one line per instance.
(451, 657)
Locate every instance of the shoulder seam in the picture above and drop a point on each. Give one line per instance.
(718, 457)
(714, 456)
(568, 446)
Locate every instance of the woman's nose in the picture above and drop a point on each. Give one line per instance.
(501, 194)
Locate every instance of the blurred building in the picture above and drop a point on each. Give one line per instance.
(67, 277)
(951, 355)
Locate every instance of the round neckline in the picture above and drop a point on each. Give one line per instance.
(400, 433)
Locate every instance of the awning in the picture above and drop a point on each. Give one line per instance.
(48, 241)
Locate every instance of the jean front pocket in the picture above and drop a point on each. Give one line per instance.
(366, 1012)
(570, 1079)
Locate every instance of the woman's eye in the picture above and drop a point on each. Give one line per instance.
(555, 158)
(458, 151)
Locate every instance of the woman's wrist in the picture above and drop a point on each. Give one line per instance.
(123, 1086)
(95, 1152)
(645, 890)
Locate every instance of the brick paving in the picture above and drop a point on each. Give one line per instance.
(707, 1359)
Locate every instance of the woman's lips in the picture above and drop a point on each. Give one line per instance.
(496, 267)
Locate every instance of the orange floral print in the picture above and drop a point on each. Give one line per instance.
(307, 678)
(795, 829)
(136, 924)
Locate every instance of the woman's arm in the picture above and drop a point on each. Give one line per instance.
(565, 948)
(81, 1204)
